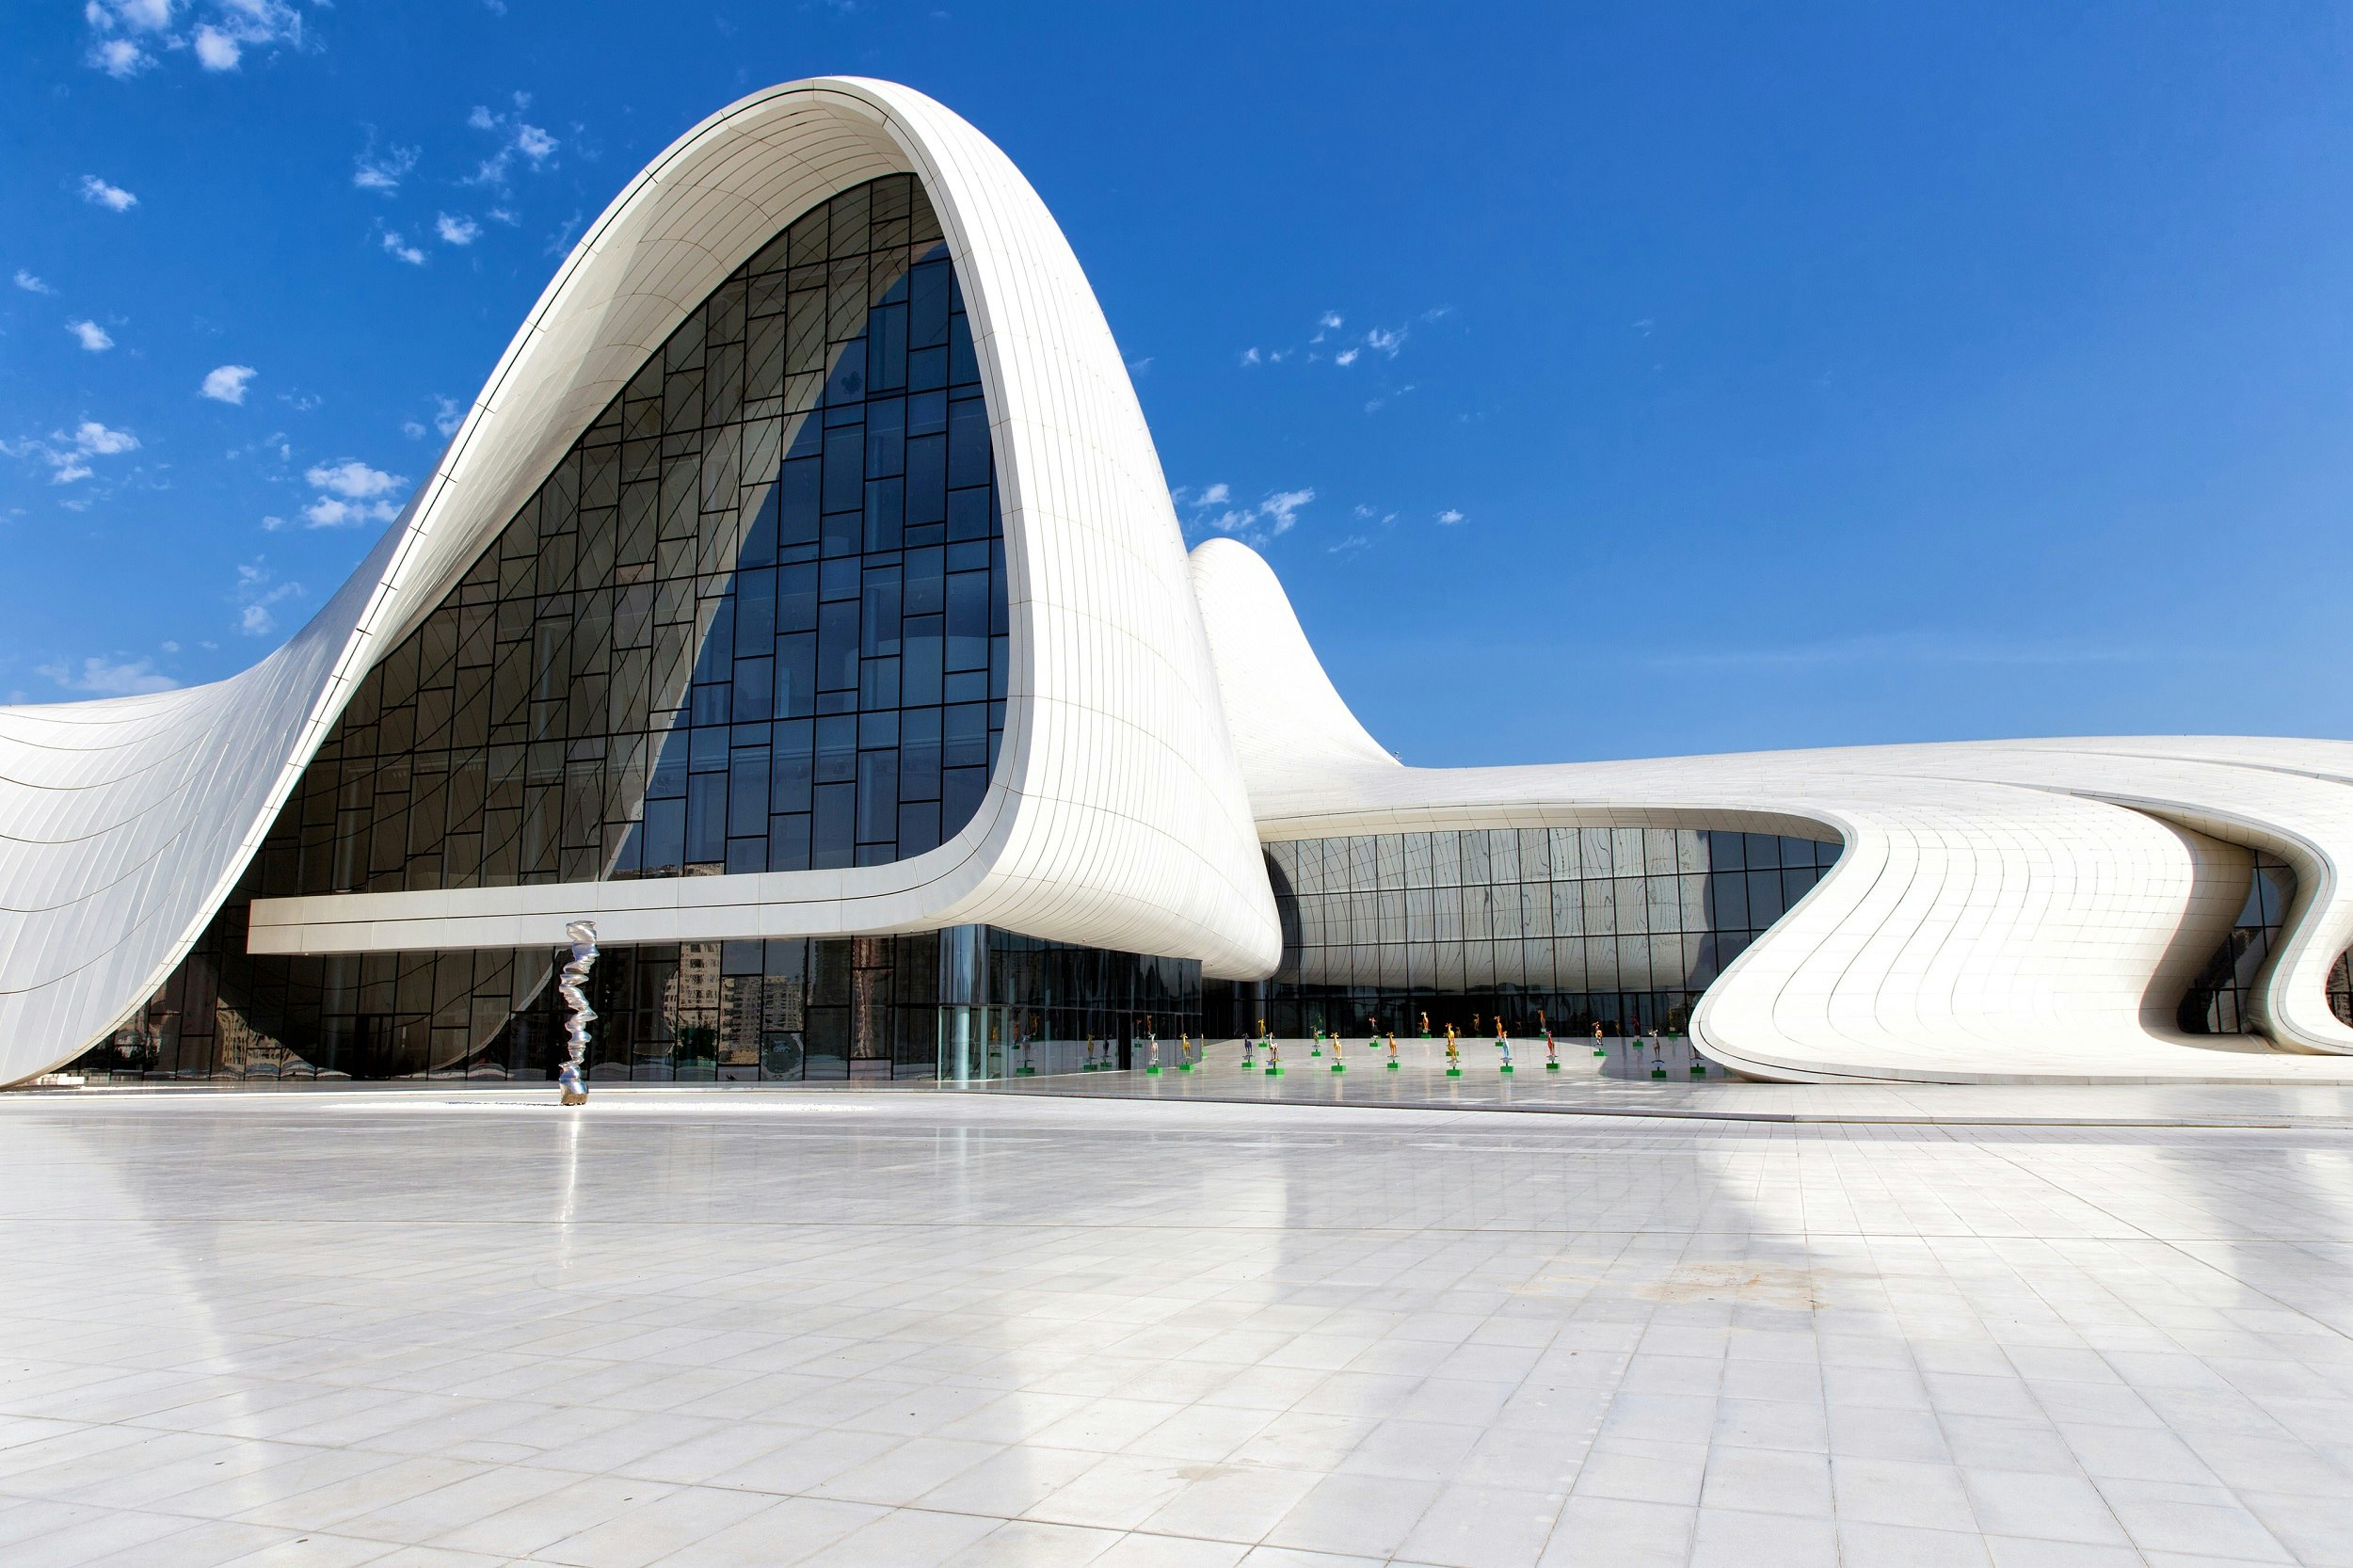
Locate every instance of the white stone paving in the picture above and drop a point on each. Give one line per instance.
(843, 1328)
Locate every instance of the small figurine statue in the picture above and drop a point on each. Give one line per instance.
(1249, 1045)
(1425, 1026)
(1273, 1058)
(1319, 1046)
(1393, 1050)
(1184, 1051)
(1337, 1066)
(1453, 1055)
(1152, 1060)
(1599, 1049)
(1503, 1043)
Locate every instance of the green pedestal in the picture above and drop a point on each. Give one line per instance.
(1274, 1072)
(1598, 1051)
(1025, 1072)
(1552, 1066)
(1339, 1067)
(1454, 1072)
(1698, 1069)
(1392, 1067)
(1184, 1067)
(1505, 1068)
(1152, 1071)
(1658, 1072)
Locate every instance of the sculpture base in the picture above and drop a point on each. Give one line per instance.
(575, 1096)
(1274, 1072)
(1392, 1067)
(1153, 1070)
(1505, 1068)
(1552, 1066)
(1454, 1072)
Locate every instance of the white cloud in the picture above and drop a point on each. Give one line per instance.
(1449, 517)
(1355, 541)
(31, 284)
(517, 135)
(113, 198)
(456, 231)
(1346, 355)
(215, 50)
(254, 596)
(352, 493)
(69, 454)
(121, 58)
(1329, 320)
(1387, 342)
(128, 678)
(1256, 524)
(396, 246)
(121, 30)
(93, 337)
(90, 436)
(1250, 356)
(227, 383)
(383, 171)
(448, 413)
(351, 478)
(271, 525)
(413, 429)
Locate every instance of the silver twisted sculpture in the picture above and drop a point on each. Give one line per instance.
(583, 939)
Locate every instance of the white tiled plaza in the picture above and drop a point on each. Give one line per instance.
(911, 1328)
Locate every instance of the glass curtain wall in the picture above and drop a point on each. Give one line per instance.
(754, 620)
(2220, 1000)
(1621, 926)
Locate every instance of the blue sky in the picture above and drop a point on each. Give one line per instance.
(1601, 381)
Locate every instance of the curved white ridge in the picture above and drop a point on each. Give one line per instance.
(1116, 815)
(2002, 911)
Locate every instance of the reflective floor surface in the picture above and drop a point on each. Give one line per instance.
(845, 1328)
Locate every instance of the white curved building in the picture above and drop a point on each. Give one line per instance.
(802, 600)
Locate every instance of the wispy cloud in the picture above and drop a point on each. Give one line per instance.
(1211, 508)
(127, 35)
(116, 677)
(31, 284)
(1355, 541)
(382, 171)
(398, 247)
(351, 493)
(98, 193)
(1449, 517)
(517, 137)
(227, 383)
(69, 452)
(456, 229)
(94, 337)
(254, 595)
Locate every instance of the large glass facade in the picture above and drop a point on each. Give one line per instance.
(754, 620)
(1623, 926)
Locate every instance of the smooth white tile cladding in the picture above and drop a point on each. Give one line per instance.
(2003, 911)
